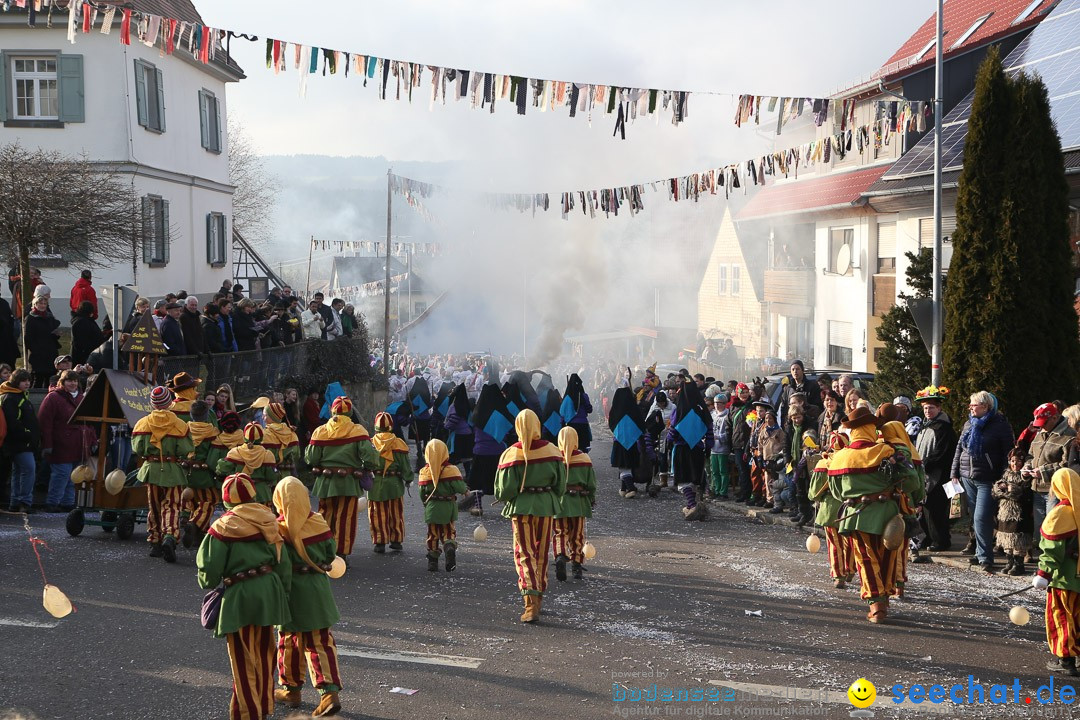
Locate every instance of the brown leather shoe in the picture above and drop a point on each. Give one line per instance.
(532, 609)
(289, 698)
(879, 612)
(328, 705)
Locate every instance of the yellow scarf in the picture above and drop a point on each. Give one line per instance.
(201, 431)
(895, 434)
(338, 429)
(866, 458)
(279, 435)
(387, 444)
(253, 457)
(527, 426)
(297, 523)
(229, 440)
(247, 520)
(438, 466)
(7, 387)
(1064, 519)
(160, 424)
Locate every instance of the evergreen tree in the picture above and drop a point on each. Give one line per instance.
(903, 365)
(1010, 326)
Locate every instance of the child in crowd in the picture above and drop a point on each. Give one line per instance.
(720, 458)
(440, 484)
(1014, 514)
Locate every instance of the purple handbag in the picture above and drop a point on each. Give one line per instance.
(367, 479)
(211, 608)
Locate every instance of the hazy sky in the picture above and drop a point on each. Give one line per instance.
(782, 47)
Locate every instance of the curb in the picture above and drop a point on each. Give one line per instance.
(951, 559)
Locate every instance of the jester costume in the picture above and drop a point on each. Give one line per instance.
(186, 389)
(386, 511)
(531, 481)
(201, 464)
(841, 551)
(162, 442)
(440, 484)
(1059, 572)
(253, 460)
(909, 476)
(341, 457)
(243, 551)
(568, 540)
(310, 548)
(280, 439)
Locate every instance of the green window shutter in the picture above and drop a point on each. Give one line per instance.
(5, 85)
(204, 120)
(210, 238)
(72, 103)
(165, 229)
(140, 92)
(147, 230)
(160, 99)
(217, 111)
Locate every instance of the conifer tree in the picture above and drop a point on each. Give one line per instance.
(1010, 325)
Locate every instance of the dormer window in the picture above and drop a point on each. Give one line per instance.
(971, 30)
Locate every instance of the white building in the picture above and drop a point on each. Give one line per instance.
(160, 119)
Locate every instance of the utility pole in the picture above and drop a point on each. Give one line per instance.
(386, 319)
(307, 284)
(938, 331)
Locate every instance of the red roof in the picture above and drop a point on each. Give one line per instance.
(819, 193)
(959, 16)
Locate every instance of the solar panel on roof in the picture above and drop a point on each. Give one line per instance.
(1051, 51)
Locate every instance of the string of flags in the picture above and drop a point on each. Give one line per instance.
(403, 79)
(866, 140)
(351, 293)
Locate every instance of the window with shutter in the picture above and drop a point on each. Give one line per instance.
(840, 344)
(886, 247)
(155, 230)
(210, 121)
(215, 239)
(735, 279)
(149, 96)
(72, 101)
(721, 280)
(926, 231)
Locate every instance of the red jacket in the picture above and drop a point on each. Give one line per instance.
(69, 443)
(83, 292)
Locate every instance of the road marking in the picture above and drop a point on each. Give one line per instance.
(755, 691)
(27, 623)
(410, 657)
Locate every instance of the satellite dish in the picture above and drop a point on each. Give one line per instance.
(843, 260)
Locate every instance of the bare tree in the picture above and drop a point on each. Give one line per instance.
(256, 189)
(70, 205)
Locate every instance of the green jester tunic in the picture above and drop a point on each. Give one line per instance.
(581, 488)
(544, 477)
(440, 500)
(340, 443)
(161, 439)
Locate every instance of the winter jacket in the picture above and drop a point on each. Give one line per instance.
(173, 336)
(313, 325)
(228, 337)
(936, 444)
(721, 432)
(1049, 451)
(69, 443)
(997, 440)
(191, 324)
(211, 333)
(809, 389)
(85, 337)
(9, 348)
(41, 343)
(22, 425)
(244, 330)
(739, 429)
(83, 291)
(1015, 513)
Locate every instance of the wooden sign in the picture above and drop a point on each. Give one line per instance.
(145, 338)
(115, 398)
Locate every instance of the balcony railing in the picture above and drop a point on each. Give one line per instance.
(792, 286)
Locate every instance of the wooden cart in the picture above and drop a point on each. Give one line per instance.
(115, 398)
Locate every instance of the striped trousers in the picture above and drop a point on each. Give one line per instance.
(436, 534)
(202, 507)
(251, 657)
(532, 536)
(387, 521)
(841, 554)
(163, 512)
(877, 566)
(340, 514)
(1062, 618)
(568, 538)
(320, 650)
(758, 484)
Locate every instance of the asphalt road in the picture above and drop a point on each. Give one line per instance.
(665, 601)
